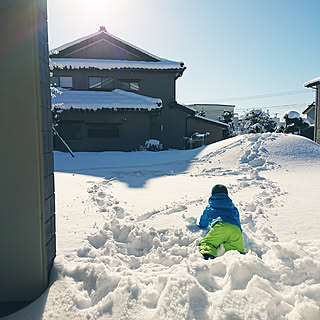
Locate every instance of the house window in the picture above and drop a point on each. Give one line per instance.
(130, 85)
(99, 131)
(62, 81)
(101, 83)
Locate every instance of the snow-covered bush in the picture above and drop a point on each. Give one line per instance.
(294, 123)
(280, 129)
(227, 118)
(257, 121)
(55, 107)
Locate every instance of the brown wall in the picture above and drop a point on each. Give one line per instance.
(173, 121)
(134, 130)
(196, 125)
(156, 84)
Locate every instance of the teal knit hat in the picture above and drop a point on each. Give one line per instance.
(219, 188)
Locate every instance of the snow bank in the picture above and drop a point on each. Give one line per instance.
(138, 255)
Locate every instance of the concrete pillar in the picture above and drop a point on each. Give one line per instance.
(27, 227)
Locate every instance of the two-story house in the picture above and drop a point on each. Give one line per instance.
(116, 96)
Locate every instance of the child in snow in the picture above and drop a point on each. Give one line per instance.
(225, 226)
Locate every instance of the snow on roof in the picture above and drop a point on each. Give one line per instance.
(211, 120)
(95, 100)
(103, 31)
(293, 114)
(74, 63)
(72, 43)
(311, 83)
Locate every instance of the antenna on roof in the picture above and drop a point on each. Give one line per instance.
(103, 28)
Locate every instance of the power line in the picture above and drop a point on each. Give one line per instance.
(266, 95)
(259, 96)
(273, 107)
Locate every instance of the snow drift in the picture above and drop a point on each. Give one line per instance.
(127, 234)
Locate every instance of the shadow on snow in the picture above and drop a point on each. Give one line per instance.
(132, 168)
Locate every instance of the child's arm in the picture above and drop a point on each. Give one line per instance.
(205, 219)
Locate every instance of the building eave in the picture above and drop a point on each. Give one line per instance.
(183, 108)
(312, 83)
(102, 64)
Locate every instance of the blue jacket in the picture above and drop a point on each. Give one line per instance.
(220, 209)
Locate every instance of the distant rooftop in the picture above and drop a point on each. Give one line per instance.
(210, 105)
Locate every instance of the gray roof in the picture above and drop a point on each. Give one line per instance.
(152, 61)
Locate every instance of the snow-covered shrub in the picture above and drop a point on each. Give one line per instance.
(294, 123)
(56, 108)
(280, 129)
(258, 121)
(227, 118)
(152, 145)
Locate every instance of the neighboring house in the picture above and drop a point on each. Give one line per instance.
(315, 84)
(310, 112)
(117, 96)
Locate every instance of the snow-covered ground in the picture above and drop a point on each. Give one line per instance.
(127, 235)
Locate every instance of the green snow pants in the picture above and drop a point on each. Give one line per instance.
(223, 232)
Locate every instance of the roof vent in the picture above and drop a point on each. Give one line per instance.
(103, 28)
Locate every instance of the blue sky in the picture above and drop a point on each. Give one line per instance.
(250, 53)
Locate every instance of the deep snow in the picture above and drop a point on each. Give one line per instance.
(127, 235)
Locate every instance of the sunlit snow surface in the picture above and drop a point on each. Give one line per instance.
(127, 235)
